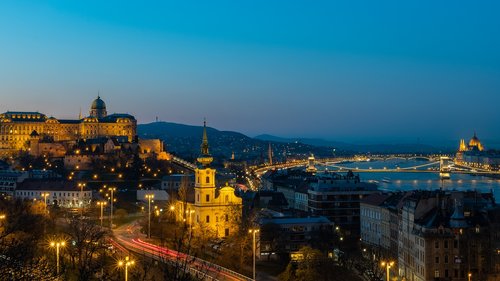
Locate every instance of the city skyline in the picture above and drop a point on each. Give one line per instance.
(387, 71)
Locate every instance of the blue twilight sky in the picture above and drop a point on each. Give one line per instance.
(361, 71)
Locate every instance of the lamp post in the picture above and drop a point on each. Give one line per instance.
(150, 198)
(387, 265)
(111, 190)
(102, 204)
(45, 195)
(172, 210)
(127, 262)
(190, 212)
(2, 218)
(57, 245)
(81, 186)
(253, 231)
(469, 276)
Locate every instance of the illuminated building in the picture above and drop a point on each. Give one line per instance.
(211, 209)
(62, 193)
(338, 198)
(18, 128)
(474, 155)
(474, 144)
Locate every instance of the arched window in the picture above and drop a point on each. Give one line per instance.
(208, 219)
(208, 180)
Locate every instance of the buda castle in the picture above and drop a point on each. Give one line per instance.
(18, 128)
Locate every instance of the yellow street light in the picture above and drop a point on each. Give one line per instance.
(190, 212)
(469, 276)
(253, 231)
(127, 262)
(387, 265)
(102, 204)
(150, 198)
(45, 195)
(57, 245)
(112, 191)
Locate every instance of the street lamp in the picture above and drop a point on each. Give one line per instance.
(2, 218)
(387, 266)
(253, 231)
(111, 190)
(469, 276)
(172, 210)
(102, 204)
(150, 198)
(127, 262)
(57, 245)
(190, 212)
(45, 195)
(81, 186)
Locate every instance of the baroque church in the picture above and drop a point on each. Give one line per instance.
(209, 207)
(16, 128)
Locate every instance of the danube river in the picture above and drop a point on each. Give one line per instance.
(392, 181)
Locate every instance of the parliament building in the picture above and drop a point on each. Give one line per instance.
(18, 128)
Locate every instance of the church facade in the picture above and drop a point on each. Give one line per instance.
(210, 209)
(17, 128)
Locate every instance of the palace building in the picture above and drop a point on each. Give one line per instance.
(17, 128)
(212, 209)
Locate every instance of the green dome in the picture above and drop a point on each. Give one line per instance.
(98, 104)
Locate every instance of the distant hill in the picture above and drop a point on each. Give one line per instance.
(184, 141)
(316, 142)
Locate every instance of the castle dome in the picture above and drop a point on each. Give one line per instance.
(98, 103)
(98, 108)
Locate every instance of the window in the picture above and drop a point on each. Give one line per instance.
(207, 197)
(446, 244)
(227, 217)
(208, 219)
(436, 273)
(436, 244)
(198, 198)
(446, 261)
(207, 179)
(226, 232)
(437, 261)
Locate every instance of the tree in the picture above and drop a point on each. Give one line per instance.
(88, 247)
(313, 265)
(20, 235)
(272, 240)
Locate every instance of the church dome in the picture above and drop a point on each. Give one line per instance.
(475, 143)
(98, 104)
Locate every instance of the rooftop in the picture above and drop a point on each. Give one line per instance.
(49, 184)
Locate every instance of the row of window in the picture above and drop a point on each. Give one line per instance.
(446, 273)
(207, 218)
(39, 193)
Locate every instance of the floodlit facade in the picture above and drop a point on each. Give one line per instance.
(62, 193)
(18, 129)
(211, 208)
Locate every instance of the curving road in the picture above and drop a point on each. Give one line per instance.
(128, 238)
